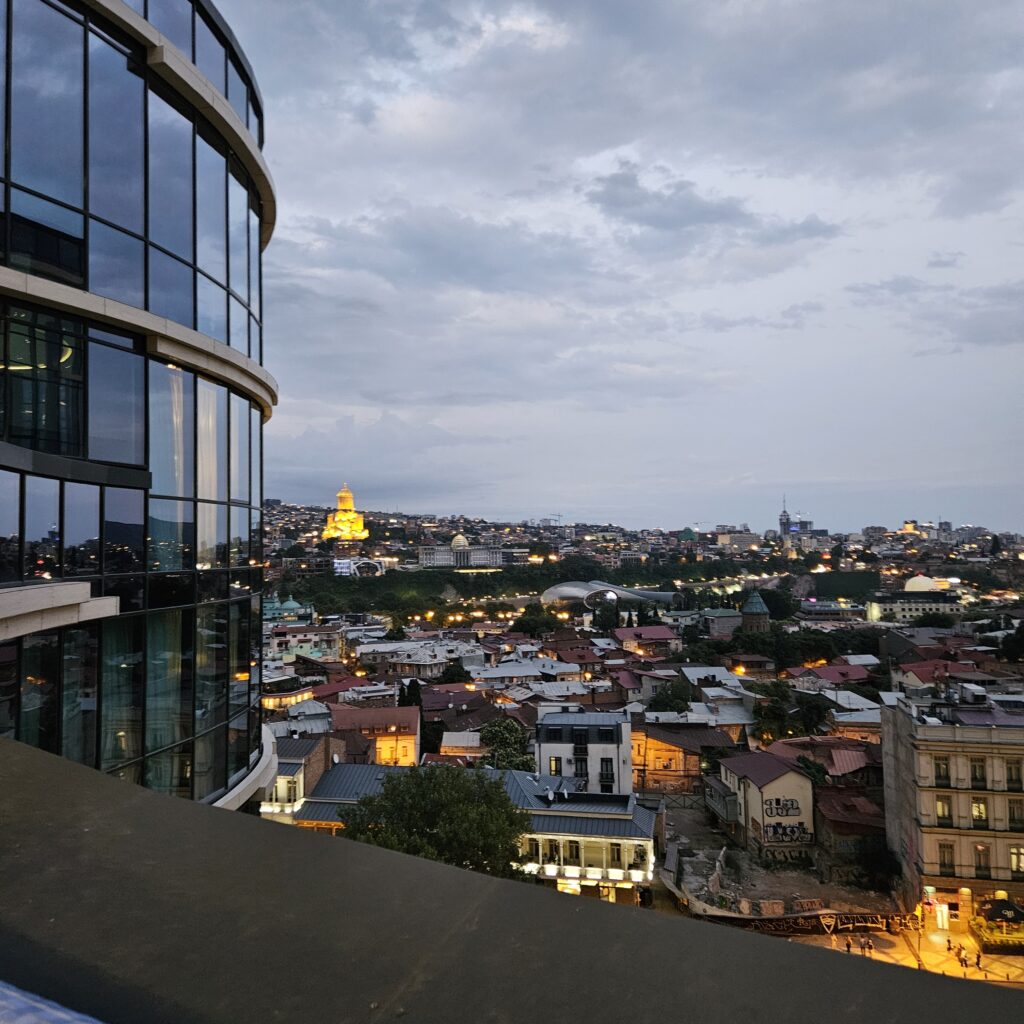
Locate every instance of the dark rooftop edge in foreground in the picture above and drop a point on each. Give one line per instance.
(131, 906)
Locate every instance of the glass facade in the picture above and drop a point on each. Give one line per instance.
(115, 185)
(139, 478)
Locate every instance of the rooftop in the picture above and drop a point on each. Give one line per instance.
(168, 894)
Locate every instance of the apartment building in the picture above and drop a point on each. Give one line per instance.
(954, 792)
(592, 747)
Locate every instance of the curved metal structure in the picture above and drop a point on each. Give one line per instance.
(594, 592)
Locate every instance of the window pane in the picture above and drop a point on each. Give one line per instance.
(8, 688)
(211, 665)
(171, 535)
(212, 440)
(42, 527)
(238, 745)
(117, 405)
(10, 529)
(39, 718)
(239, 536)
(47, 105)
(170, 178)
(211, 536)
(238, 237)
(170, 589)
(209, 54)
(170, 772)
(237, 95)
(78, 710)
(47, 239)
(116, 144)
(123, 532)
(255, 537)
(212, 315)
(210, 766)
(239, 327)
(256, 456)
(239, 655)
(170, 288)
(116, 265)
(211, 210)
(174, 19)
(171, 430)
(254, 261)
(81, 530)
(129, 590)
(239, 449)
(122, 672)
(212, 586)
(255, 341)
(169, 678)
(46, 383)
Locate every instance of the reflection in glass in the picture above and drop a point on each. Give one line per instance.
(211, 210)
(211, 311)
(238, 745)
(174, 19)
(239, 539)
(116, 263)
(255, 341)
(121, 683)
(45, 361)
(210, 770)
(169, 678)
(255, 537)
(237, 94)
(254, 261)
(79, 694)
(256, 456)
(42, 528)
(170, 178)
(170, 772)
(240, 427)
(8, 688)
(117, 403)
(123, 530)
(47, 106)
(171, 535)
(129, 590)
(212, 586)
(211, 665)
(116, 143)
(239, 327)
(47, 239)
(170, 288)
(238, 237)
(10, 528)
(211, 536)
(39, 714)
(212, 440)
(81, 529)
(171, 429)
(210, 54)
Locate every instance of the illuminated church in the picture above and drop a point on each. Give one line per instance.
(345, 524)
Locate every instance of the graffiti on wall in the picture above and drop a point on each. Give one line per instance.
(777, 832)
(781, 808)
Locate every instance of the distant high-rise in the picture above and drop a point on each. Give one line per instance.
(784, 519)
(132, 393)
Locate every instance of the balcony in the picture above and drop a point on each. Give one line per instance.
(947, 870)
(176, 907)
(608, 777)
(979, 823)
(943, 822)
(982, 872)
(943, 782)
(580, 750)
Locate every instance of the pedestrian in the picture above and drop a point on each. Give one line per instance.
(977, 959)
(871, 948)
(863, 946)
(849, 945)
(833, 939)
(949, 944)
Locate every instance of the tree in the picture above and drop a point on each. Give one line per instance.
(396, 632)
(410, 696)
(506, 743)
(454, 672)
(443, 813)
(780, 604)
(811, 712)
(1013, 645)
(675, 696)
(295, 551)
(606, 617)
(816, 771)
(535, 621)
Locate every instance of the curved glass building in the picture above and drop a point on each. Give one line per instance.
(136, 205)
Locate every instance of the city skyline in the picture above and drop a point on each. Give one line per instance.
(709, 253)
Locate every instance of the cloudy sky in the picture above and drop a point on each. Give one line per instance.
(651, 262)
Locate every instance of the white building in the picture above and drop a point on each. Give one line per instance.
(592, 747)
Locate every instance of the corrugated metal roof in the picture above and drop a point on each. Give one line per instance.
(295, 749)
(349, 782)
(289, 767)
(315, 811)
(640, 826)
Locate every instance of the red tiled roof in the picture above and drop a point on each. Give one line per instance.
(345, 717)
(644, 633)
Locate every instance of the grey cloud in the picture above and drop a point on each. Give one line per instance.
(945, 260)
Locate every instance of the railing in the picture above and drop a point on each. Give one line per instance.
(943, 822)
(982, 872)
(981, 823)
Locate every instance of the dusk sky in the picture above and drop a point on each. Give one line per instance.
(653, 263)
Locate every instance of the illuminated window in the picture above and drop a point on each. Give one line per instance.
(979, 812)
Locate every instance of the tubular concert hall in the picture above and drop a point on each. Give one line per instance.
(132, 395)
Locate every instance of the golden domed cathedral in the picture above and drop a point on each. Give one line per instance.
(345, 524)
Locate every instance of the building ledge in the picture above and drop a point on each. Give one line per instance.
(258, 778)
(132, 906)
(37, 606)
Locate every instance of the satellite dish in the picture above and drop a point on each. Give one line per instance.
(336, 759)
